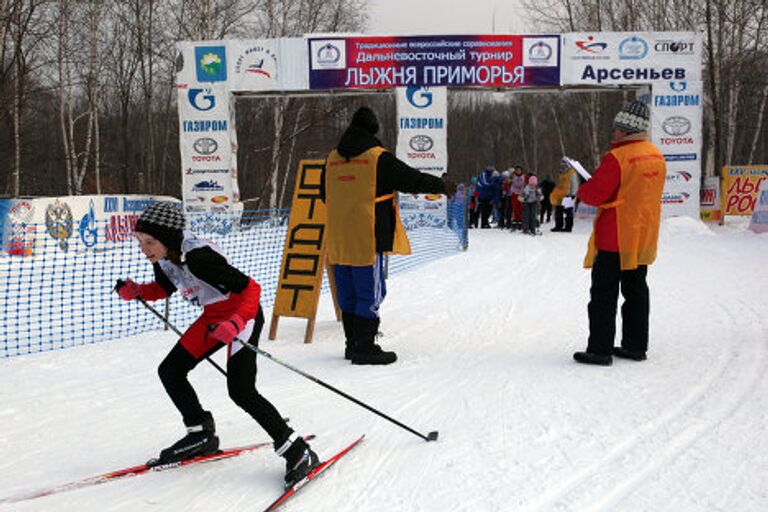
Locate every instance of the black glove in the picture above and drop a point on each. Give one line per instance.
(450, 187)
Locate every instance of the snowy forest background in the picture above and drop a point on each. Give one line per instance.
(90, 104)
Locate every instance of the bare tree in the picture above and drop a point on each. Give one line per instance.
(71, 113)
(16, 18)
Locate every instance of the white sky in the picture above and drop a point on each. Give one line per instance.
(445, 17)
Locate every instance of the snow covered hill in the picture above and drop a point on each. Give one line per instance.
(485, 341)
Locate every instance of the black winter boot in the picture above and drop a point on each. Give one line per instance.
(200, 440)
(300, 460)
(591, 358)
(629, 354)
(348, 320)
(366, 350)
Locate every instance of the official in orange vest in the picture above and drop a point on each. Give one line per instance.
(359, 183)
(626, 188)
(562, 196)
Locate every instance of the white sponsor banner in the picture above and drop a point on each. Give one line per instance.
(206, 149)
(602, 58)
(676, 131)
(422, 143)
(76, 223)
(422, 121)
(423, 210)
(293, 63)
(206, 125)
(759, 221)
(254, 65)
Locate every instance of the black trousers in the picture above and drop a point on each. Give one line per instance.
(607, 279)
(474, 215)
(546, 209)
(241, 384)
(486, 208)
(561, 212)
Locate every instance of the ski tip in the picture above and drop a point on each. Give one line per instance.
(432, 436)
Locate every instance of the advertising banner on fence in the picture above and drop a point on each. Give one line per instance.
(759, 221)
(608, 58)
(386, 62)
(676, 131)
(740, 187)
(710, 200)
(76, 223)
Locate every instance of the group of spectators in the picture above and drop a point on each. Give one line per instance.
(517, 200)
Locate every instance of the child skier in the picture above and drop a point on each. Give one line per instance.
(530, 198)
(230, 301)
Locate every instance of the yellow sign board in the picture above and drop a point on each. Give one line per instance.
(740, 188)
(301, 272)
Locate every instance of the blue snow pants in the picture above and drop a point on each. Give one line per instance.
(361, 290)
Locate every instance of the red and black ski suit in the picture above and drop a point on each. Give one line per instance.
(205, 278)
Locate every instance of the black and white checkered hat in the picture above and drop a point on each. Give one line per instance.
(164, 221)
(633, 118)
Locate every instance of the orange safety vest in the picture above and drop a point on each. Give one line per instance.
(350, 198)
(637, 204)
(562, 188)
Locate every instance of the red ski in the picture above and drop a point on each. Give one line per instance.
(311, 476)
(138, 470)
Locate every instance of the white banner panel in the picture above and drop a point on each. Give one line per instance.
(676, 131)
(254, 65)
(609, 58)
(759, 221)
(269, 65)
(204, 72)
(206, 150)
(422, 143)
(422, 121)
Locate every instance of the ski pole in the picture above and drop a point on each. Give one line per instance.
(431, 436)
(174, 329)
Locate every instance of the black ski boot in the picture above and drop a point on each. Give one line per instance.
(200, 440)
(366, 350)
(348, 320)
(300, 460)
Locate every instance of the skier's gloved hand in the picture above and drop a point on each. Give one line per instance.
(127, 289)
(227, 330)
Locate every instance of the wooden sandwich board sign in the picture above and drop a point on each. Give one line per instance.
(301, 271)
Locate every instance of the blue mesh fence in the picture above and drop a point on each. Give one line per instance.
(56, 294)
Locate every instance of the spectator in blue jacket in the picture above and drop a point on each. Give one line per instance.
(485, 190)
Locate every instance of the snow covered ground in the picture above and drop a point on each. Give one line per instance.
(485, 341)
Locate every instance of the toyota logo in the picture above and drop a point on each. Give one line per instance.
(205, 146)
(421, 143)
(676, 125)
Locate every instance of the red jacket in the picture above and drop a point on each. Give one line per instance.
(601, 189)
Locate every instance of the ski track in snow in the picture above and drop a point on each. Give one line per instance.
(484, 341)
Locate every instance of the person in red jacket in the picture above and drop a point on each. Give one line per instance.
(627, 189)
(230, 300)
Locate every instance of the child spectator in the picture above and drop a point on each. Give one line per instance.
(516, 186)
(530, 199)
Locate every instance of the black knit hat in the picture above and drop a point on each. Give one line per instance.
(164, 221)
(633, 118)
(365, 118)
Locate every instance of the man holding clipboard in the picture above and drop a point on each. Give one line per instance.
(627, 189)
(563, 196)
